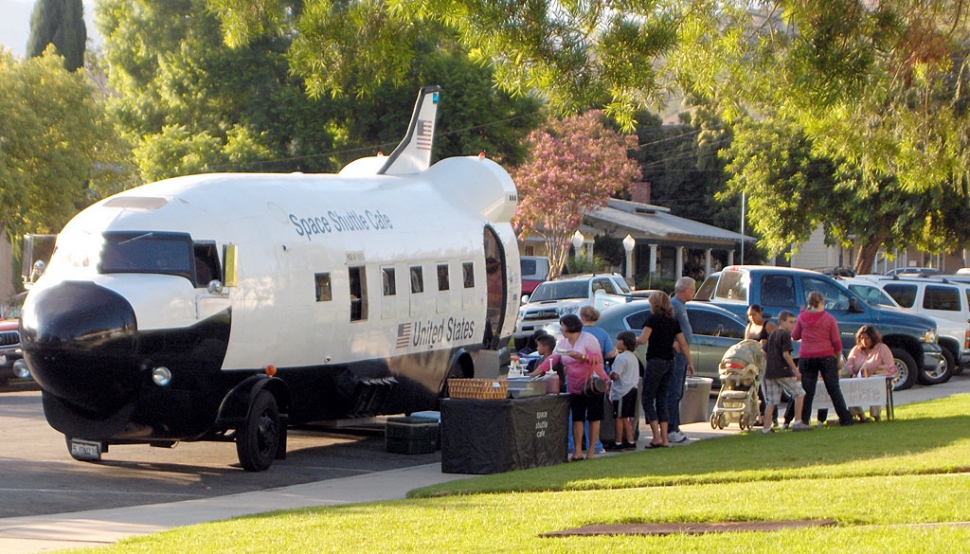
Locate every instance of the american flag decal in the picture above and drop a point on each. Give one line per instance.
(424, 134)
(403, 335)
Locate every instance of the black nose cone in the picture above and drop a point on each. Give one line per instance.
(78, 339)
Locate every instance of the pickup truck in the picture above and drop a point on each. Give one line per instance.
(912, 338)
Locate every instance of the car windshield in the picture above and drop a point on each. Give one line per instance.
(147, 252)
(621, 284)
(873, 295)
(732, 286)
(11, 308)
(560, 291)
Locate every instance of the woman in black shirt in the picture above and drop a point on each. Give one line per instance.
(660, 331)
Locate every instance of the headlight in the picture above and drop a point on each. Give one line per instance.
(930, 336)
(161, 376)
(567, 310)
(21, 370)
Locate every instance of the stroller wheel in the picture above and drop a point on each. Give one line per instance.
(713, 420)
(743, 422)
(722, 421)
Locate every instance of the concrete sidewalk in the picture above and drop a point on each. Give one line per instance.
(48, 533)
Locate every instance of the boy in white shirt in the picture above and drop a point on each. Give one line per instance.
(625, 373)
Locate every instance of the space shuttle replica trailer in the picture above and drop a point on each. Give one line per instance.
(228, 306)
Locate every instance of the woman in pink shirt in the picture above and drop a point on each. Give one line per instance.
(870, 357)
(582, 356)
(820, 353)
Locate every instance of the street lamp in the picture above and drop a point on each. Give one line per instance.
(578, 240)
(628, 244)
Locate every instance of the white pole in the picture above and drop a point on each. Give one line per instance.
(743, 197)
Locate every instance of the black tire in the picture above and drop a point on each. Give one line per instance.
(906, 366)
(258, 439)
(940, 374)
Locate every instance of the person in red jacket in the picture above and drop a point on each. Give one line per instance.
(820, 353)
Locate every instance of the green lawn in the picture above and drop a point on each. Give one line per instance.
(898, 486)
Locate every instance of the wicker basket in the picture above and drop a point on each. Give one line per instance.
(479, 389)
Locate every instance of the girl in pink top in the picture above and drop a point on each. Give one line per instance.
(870, 357)
(820, 353)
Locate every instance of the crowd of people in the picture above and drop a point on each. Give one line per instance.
(581, 356)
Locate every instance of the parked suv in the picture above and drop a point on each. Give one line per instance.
(566, 295)
(911, 337)
(945, 301)
(535, 269)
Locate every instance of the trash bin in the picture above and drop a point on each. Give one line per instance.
(697, 399)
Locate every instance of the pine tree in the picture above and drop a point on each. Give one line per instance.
(61, 23)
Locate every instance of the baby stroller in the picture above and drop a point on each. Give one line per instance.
(741, 369)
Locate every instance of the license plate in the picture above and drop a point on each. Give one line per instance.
(85, 450)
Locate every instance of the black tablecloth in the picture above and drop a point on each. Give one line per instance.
(492, 436)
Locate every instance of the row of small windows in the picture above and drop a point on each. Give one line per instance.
(358, 284)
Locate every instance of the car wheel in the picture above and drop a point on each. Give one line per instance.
(939, 374)
(258, 438)
(905, 369)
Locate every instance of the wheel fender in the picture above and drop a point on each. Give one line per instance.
(236, 403)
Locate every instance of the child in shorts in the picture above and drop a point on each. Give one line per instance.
(625, 373)
(781, 373)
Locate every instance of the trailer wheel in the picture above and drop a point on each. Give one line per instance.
(258, 439)
(906, 369)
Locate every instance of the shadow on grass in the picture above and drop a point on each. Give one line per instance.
(932, 437)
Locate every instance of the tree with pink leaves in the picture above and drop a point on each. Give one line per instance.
(575, 164)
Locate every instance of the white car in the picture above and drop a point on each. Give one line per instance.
(946, 302)
(553, 299)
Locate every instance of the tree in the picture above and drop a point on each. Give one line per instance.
(575, 164)
(878, 91)
(578, 54)
(792, 191)
(59, 153)
(190, 103)
(61, 23)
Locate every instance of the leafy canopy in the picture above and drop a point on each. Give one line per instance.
(58, 151)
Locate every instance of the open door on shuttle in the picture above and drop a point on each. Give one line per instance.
(496, 279)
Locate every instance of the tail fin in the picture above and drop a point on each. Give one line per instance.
(413, 155)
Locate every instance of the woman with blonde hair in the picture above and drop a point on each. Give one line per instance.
(660, 331)
(820, 353)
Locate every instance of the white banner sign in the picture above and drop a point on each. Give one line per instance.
(863, 393)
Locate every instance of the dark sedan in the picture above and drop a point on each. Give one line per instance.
(715, 330)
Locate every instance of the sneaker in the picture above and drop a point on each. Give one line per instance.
(628, 445)
(767, 431)
(676, 436)
(801, 426)
(784, 426)
(611, 445)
